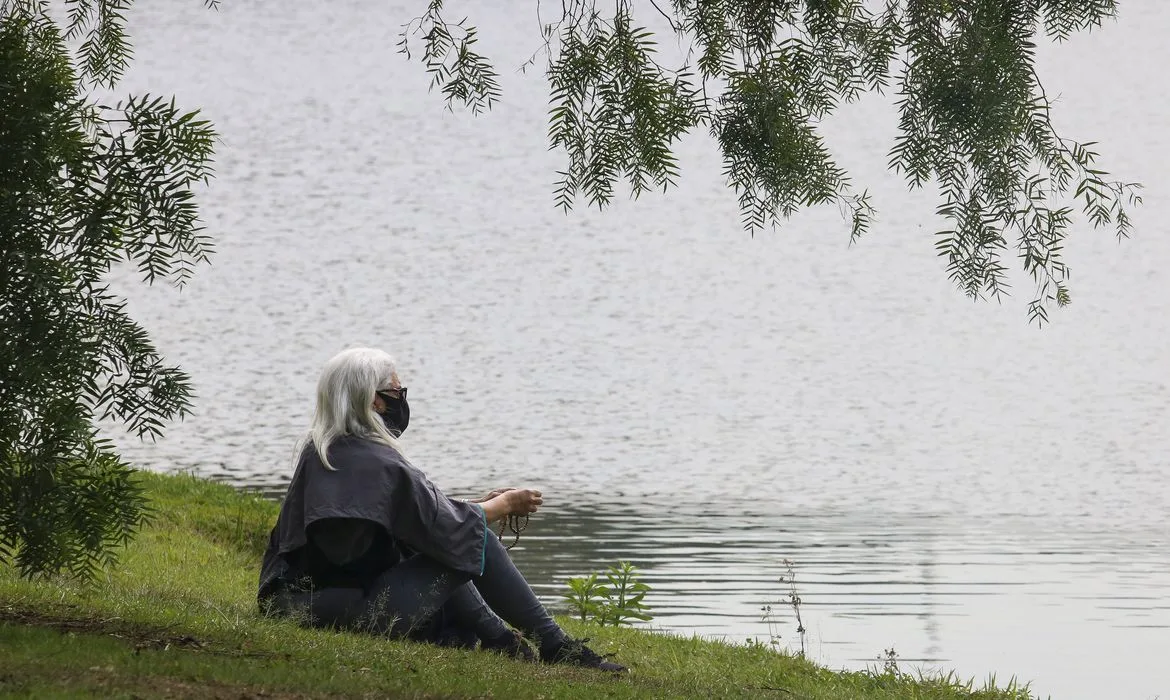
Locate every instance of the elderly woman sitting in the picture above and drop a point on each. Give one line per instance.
(366, 542)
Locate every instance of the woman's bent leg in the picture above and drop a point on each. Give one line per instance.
(466, 609)
(509, 595)
(469, 608)
(400, 602)
(404, 598)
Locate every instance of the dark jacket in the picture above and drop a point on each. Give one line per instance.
(374, 483)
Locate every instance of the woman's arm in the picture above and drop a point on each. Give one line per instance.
(490, 496)
(511, 502)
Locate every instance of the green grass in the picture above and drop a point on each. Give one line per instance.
(177, 618)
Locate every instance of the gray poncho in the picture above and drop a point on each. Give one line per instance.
(373, 482)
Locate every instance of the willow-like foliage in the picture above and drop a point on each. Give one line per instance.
(761, 75)
(83, 186)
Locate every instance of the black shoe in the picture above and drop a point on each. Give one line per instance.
(510, 644)
(574, 651)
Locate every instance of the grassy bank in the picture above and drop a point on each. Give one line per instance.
(177, 618)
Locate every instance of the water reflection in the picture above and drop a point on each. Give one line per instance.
(867, 584)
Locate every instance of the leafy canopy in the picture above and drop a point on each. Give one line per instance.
(760, 76)
(83, 186)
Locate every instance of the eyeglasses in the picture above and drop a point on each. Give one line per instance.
(392, 394)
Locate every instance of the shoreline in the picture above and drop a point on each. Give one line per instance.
(176, 617)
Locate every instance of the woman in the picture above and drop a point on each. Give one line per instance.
(365, 541)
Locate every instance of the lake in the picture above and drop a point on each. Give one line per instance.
(947, 480)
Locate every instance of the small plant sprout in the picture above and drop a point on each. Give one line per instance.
(616, 601)
(889, 659)
(794, 600)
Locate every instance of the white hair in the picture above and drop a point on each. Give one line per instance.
(345, 400)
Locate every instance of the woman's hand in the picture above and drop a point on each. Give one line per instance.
(523, 501)
(512, 502)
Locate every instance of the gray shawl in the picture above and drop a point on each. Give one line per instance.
(374, 482)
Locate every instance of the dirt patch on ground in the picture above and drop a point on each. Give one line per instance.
(108, 680)
(137, 635)
(141, 637)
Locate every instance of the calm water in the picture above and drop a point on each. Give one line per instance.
(949, 481)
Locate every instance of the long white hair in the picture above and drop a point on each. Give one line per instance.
(345, 400)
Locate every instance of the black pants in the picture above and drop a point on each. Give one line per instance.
(424, 600)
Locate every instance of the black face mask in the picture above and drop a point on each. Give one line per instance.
(397, 414)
